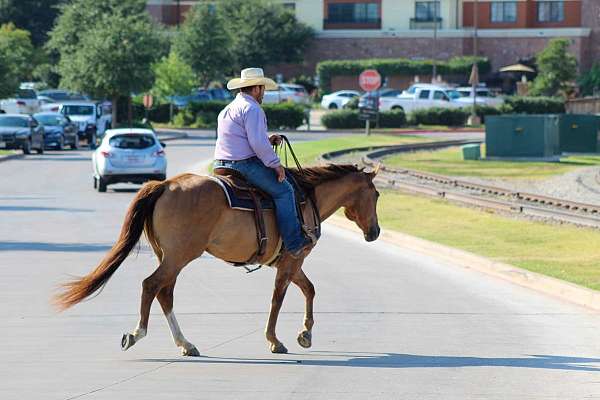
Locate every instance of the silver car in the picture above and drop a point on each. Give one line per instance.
(128, 155)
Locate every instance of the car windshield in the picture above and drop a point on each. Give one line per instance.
(453, 94)
(14, 121)
(78, 110)
(50, 120)
(464, 93)
(26, 94)
(132, 141)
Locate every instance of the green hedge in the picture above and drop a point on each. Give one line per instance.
(204, 115)
(397, 66)
(533, 105)
(439, 116)
(348, 119)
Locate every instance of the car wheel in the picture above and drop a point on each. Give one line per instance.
(75, 145)
(101, 185)
(333, 106)
(92, 141)
(61, 143)
(397, 108)
(27, 147)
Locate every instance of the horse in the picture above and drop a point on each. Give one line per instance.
(187, 215)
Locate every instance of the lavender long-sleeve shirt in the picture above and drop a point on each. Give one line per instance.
(242, 132)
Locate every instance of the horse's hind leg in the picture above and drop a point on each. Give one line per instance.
(165, 298)
(164, 274)
(300, 280)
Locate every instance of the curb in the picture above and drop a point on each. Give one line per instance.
(11, 157)
(551, 286)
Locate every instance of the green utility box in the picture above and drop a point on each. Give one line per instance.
(522, 136)
(579, 133)
(471, 152)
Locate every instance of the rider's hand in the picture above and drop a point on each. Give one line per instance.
(275, 140)
(280, 173)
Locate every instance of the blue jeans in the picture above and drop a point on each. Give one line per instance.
(265, 178)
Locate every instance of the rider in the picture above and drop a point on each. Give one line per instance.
(243, 144)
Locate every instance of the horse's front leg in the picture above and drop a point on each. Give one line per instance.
(286, 269)
(300, 280)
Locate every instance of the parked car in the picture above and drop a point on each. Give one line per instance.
(92, 119)
(423, 97)
(128, 155)
(338, 99)
(386, 92)
(58, 95)
(25, 101)
(18, 131)
(287, 92)
(220, 94)
(59, 130)
(484, 96)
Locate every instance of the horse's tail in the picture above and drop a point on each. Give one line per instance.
(140, 211)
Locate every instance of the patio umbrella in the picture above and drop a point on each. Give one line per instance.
(517, 68)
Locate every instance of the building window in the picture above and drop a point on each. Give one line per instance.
(357, 13)
(551, 11)
(504, 11)
(427, 11)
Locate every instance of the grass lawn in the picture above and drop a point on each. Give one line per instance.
(565, 252)
(308, 152)
(449, 162)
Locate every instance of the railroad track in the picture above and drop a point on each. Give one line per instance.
(485, 196)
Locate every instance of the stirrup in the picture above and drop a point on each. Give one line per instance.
(309, 234)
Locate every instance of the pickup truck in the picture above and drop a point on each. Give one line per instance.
(423, 97)
(24, 102)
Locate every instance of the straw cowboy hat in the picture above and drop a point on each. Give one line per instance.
(252, 77)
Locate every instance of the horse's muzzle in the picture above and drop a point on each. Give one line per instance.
(373, 233)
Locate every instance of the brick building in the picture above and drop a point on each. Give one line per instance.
(508, 30)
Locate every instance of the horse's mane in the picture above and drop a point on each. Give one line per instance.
(314, 176)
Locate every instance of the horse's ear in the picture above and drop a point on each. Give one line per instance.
(377, 168)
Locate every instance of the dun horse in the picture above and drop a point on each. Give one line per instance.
(189, 214)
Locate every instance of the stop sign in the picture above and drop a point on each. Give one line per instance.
(148, 100)
(369, 80)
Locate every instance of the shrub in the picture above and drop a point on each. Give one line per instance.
(439, 116)
(534, 105)
(284, 115)
(398, 66)
(348, 119)
(590, 81)
(342, 119)
(392, 119)
(485, 110)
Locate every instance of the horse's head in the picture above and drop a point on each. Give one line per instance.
(362, 205)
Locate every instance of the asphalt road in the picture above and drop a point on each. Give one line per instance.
(390, 324)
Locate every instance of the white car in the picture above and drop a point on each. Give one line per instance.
(128, 155)
(423, 97)
(484, 96)
(24, 102)
(92, 119)
(287, 92)
(339, 99)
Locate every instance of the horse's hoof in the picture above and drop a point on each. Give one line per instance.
(193, 352)
(278, 348)
(305, 339)
(127, 341)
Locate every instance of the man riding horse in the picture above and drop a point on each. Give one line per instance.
(243, 145)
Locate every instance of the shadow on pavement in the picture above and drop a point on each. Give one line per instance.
(57, 247)
(35, 208)
(396, 360)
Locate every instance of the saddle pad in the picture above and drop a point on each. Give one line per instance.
(241, 204)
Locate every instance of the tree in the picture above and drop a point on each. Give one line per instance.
(16, 54)
(264, 33)
(204, 44)
(35, 16)
(590, 81)
(107, 48)
(172, 77)
(557, 69)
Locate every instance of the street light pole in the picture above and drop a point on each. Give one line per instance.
(434, 61)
